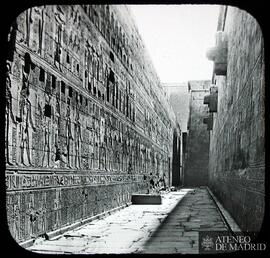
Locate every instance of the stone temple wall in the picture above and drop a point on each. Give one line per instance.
(237, 141)
(197, 156)
(87, 121)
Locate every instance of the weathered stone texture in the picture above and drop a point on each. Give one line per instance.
(196, 163)
(237, 142)
(87, 120)
(179, 99)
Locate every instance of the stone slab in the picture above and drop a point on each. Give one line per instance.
(146, 199)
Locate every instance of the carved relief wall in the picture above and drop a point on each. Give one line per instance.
(237, 141)
(87, 121)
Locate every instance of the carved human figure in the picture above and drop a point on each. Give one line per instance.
(96, 151)
(30, 211)
(102, 143)
(16, 222)
(69, 137)
(57, 119)
(46, 146)
(91, 147)
(101, 64)
(102, 130)
(109, 150)
(28, 22)
(40, 29)
(9, 113)
(59, 24)
(12, 41)
(86, 67)
(47, 132)
(144, 157)
(35, 26)
(57, 208)
(106, 146)
(57, 54)
(120, 152)
(78, 139)
(25, 120)
(117, 154)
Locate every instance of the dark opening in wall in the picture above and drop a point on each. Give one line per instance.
(78, 67)
(113, 95)
(47, 111)
(120, 52)
(134, 115)
(48, 83)
(108, 92)
(81, 99)
(70, 92)
(95, 91)
(111, 80)
(99, 93)
(116, 99)
(42, 75)
(119, 99)
(53, 82)
(85, 74)
(129, 110)
(27, 63)
(68, 61)
(96, 19)
(112, 56)
(127, 106)
(89, 87)
(63, 87)
(111, 76)
(184, 138)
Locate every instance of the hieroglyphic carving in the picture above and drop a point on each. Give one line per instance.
(35, 181)
(78, 126)
(9, 118)
(25, 114)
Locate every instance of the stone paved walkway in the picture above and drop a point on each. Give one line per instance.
(172, 227)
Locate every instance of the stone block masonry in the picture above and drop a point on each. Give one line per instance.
(197, 157)
(87, 121)
(237, 141)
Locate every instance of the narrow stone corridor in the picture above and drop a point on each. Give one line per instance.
(108, 106)
(172, 227)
